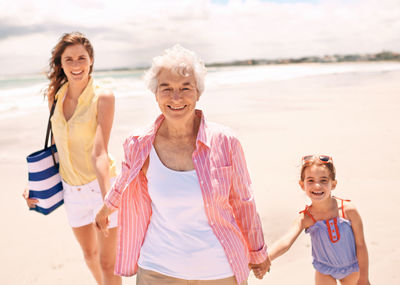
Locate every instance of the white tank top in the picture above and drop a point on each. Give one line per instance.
(179, 241)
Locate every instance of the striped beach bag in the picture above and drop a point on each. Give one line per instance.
(44, 179)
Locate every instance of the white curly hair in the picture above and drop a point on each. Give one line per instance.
(180, 60)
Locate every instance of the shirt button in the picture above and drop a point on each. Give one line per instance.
(206, 205)
(201, 181)
(195, 160)
(222, 241)
(212, 223)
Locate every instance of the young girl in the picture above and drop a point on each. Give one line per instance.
(338, 246)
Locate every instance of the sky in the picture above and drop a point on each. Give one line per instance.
(129, 33)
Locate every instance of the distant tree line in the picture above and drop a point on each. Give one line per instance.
(381, 56)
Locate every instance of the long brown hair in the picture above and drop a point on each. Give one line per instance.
(56, 74)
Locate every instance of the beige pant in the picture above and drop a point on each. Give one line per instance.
(148, 277)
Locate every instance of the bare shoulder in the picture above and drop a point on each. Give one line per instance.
(106, 101)
(105, 95)
(351, 211)
(305, 220)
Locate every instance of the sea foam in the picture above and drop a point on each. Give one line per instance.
(23, 94)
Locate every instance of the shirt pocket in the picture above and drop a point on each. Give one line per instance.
(221, 181)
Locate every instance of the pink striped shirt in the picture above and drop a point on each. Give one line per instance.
(226, 188)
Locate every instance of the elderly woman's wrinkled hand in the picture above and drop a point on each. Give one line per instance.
(261, 269)
(30, 202)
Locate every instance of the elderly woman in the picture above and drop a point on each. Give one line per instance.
(186, 209)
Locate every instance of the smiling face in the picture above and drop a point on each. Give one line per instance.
(176, 95)
(317, 182)
(76, 63)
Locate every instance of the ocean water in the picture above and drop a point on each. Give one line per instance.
(24, 93)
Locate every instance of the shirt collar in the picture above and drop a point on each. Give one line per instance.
(202, 134)
(84, 98)
(87, 93)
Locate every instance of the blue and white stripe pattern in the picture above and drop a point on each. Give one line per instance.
(44, 180)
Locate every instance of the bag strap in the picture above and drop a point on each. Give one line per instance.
(49, 134)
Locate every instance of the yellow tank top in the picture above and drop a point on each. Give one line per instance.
(74, 139)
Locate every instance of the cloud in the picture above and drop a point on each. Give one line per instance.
(130, 33)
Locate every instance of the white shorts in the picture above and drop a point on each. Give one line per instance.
(83, 202)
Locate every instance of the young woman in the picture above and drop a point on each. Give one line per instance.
(81, 125)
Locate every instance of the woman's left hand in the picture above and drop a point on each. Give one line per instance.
(261, 269)
(30, 202)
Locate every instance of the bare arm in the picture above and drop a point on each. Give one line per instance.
(285, 242)
(100, 158)
(113, 198)
(361, 247)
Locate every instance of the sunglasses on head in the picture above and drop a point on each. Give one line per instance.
(310, 158)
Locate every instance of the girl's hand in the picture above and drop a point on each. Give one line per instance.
(261, 269)
(101, 220)
(30, 202)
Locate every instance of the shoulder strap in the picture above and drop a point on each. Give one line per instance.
(341, 201)
(305, 211)
(49, 133)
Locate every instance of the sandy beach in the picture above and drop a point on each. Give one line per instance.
(354, 117)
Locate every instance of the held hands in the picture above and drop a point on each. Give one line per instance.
(261, 269)
(30, 202)
(101, 220)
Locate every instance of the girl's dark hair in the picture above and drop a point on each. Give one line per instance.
(56, 74)
(315, 161)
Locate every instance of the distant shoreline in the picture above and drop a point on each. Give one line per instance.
(336, 58)
(384, 56)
